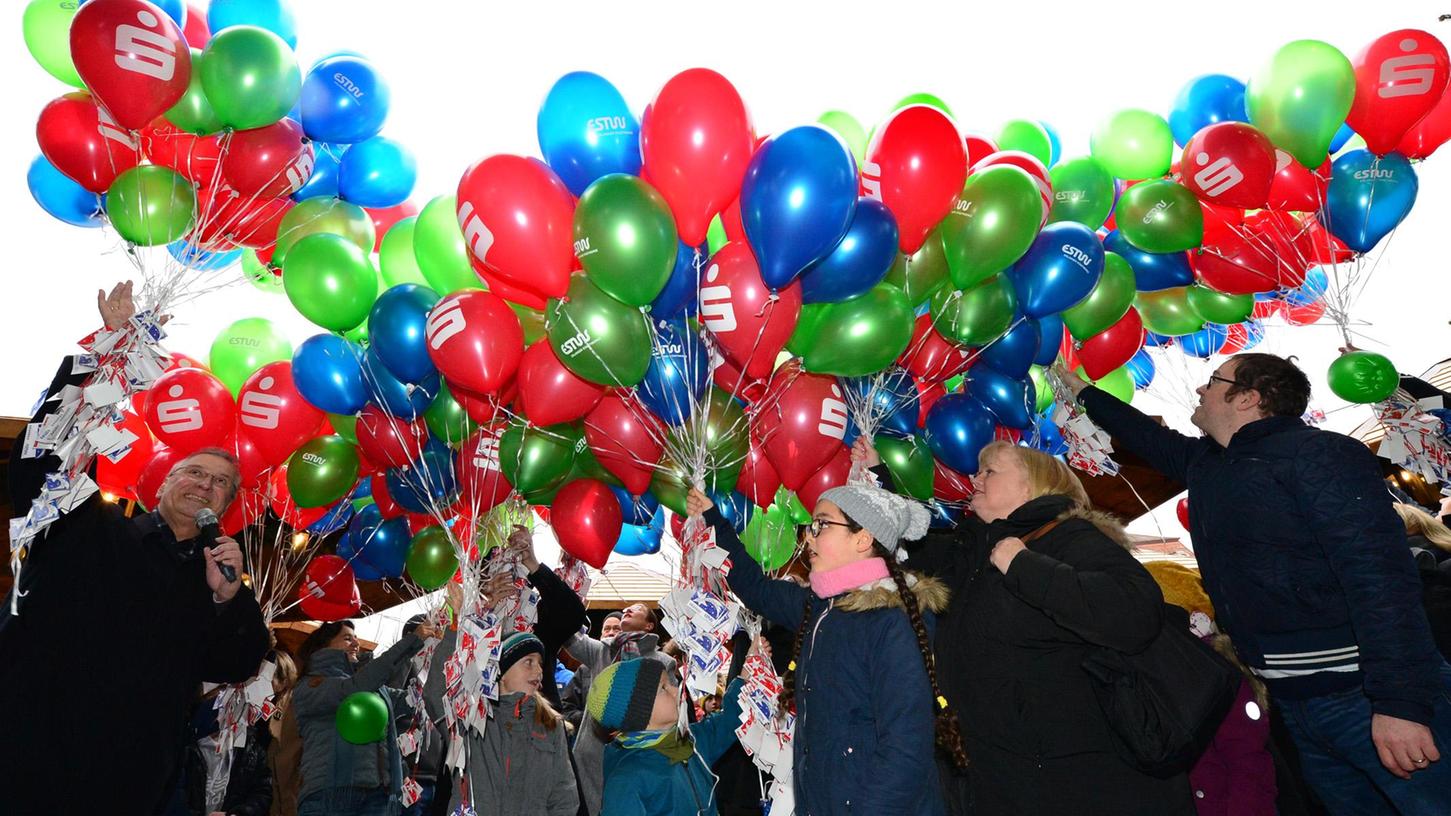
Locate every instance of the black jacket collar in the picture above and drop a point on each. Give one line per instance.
(1029, 517)
(1261, 428)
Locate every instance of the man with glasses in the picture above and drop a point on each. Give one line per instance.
(121, 621)
(1310, 575)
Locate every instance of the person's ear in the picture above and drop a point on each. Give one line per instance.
(863, 541)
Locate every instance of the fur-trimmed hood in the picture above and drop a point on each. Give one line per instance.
(932, 595)
(1106, 524)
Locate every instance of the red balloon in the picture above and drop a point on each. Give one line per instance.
(148, 484)
(1428, 134)
(730, 219)
(1267, 308)
(252, 467)
(978, 147)
(385, 438)
(249, 222)
(378, 487)
(1067, 352)
(950, 486)
(198, 158)
(833, 474)
(1229, 163)
(1236, 265)
(279, 498)
(1235, 337)
(121, 478)
(517, 218)
(329, 591)
(500, 287)
(273, 414)
(730, 379)
(626, 439)
(916, 165)
(751, 323)
(245, 510)
(132, 57)
(587, 519)
(190, 409)
(482, 484)
(83, 142)
(195, 30)
(696, 141)
(475, 339)
(1287, 239)
(270, 161)
(932, 357)
(1182, 511)
(1304, 315)
(1399, 78)
(758, 480)
(801, 421)
(1029, 164)
(384, 218)
(481, 408)
(928, 393)
(1112, 347)
(549, 393)
(1295, 186)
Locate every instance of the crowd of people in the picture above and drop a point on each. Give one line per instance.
(1002, 666)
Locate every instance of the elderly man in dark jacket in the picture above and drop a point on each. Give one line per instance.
(1307, 566)
(121, 620)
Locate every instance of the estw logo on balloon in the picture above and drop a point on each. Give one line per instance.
(143, 51)
(445, 322)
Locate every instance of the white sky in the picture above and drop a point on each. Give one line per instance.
(467, 81)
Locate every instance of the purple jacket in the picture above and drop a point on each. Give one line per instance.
(1236, 774)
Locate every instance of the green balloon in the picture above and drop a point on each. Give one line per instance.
(1363, 377)
(1082, 192)
(345, 425)
(250, 76)
(910, 463)
(715, 235)
(930, 100)
(975, 316)
(923, 272)
(244, 347)
(1301, 97)
(1042, 391)
(259, 274)
(439, 248)
(770, 537)
(396, 261)
(721, 429)
(323, 215)
(322, 470)
(531, 321)
(331, 281)
(1160, 216)
(1218, 307)
(431, 560)
(854, 337)
(849, 129)
(1168, 312)
(1119, 383)
(1110, 299)
(358, 334)
(447, 420)
(362, 718)
(193, 113)
(1133, 144)
(1028, 136)
(597, 337)
(532, 457)
(624, 236)
(992, 225)
(47, 26)
(788, 500)
(671, 485)
(151, 205)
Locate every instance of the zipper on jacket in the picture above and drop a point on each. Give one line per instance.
(694, 792)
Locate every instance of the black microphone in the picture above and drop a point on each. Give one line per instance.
(209, 530)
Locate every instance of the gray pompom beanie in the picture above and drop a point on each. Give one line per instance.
(887, 516)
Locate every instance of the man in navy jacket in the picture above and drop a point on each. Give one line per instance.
(1309, 571)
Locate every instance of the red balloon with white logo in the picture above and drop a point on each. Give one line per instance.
(1229, 164)
(517, 218)
(83, 142)
(916, 165)
(801, 421)
(587, 519)
(188, 408)
(329, 591)
(750, 323)
(132, 57)
(475, 340)
(1399, 78)
(273, 414)
(549, 393)
(268, 162)
(482, 484)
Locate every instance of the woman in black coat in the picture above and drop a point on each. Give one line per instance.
(1022, 620)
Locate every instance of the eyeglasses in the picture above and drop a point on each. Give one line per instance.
(816, 527)
(202, 476)
(1213, 377)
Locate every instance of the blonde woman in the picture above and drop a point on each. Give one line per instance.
(1430, 541)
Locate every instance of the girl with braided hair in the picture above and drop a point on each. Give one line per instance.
(862, 680)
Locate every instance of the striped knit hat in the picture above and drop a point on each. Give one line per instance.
(622, 697)
(515, 647)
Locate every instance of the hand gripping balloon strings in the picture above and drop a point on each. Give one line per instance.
(1089, 447)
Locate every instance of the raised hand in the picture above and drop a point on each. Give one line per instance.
(117, 307)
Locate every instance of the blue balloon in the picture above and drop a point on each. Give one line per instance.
(958, 428)
(1312, 290)
(679, 295)
(1046, 437)
(893, 399)
(1050, 328)
(362, 570)
(1014, 352)
(377, 172)
(1060, 269)
(1204, 343)
(1141, 368)
(193, 257)
(406, 401)
(58, 195)
(1152, 270)
(1055, 144)
(1368, 197)
(324, 179)
(945, 516)
(380, 544)
(427, 483)
(859, 262)
(335, 518)
(734, 507)
(328, 372)
(586, 131)
(344, 100)
(678, 374)
(636, 539)
(273, 15)
(175, 9)
(1341, 138)
(397, 328)
(797, 201)
(1157, 340)
(1010, 400)
(1206, 100)
(636, 509)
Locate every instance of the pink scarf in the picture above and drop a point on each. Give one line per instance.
(848, 577)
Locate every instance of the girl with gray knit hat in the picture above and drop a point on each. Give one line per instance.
(861, 679)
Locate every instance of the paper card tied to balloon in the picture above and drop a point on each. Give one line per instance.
(765, 732)
(1415, 439)
(701, 622)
